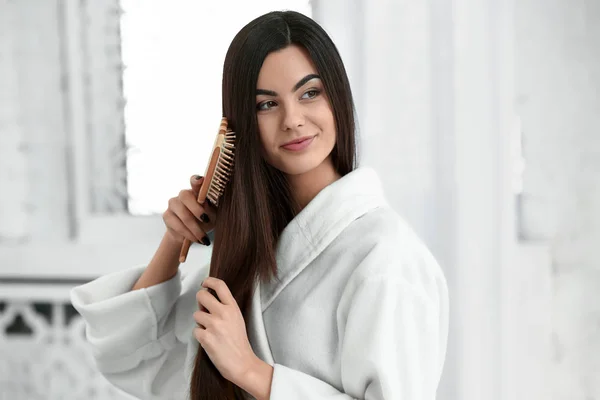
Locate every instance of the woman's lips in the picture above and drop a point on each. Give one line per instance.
(299, 145)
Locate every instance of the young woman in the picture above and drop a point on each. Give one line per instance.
(318, 289)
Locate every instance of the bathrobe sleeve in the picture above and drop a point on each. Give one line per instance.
(392, 345)
(138, 338)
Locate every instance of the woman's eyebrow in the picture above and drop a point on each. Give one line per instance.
(302, 81)
(297, 86)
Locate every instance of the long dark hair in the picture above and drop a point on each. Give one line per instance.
(258, 204)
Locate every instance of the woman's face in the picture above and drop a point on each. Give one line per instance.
(291, 106)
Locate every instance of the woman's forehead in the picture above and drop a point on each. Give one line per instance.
(285, 66)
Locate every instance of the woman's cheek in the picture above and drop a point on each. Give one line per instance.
(267, 136)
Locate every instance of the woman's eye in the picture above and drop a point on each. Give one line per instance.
(266, 105)
(311, 94)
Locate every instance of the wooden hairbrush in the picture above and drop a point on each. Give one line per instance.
(217, 175)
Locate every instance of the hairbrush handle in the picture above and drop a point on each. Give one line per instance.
(208, 177)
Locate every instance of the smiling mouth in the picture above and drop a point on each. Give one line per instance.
(297, 141)
(299, 144)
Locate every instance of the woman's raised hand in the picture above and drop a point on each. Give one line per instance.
(185, 218)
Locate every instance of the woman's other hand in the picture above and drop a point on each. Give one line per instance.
(221, 331)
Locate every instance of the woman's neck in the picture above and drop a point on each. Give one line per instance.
(306, 186)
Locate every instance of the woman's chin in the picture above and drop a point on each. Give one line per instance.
(297, 167)
(301, 166)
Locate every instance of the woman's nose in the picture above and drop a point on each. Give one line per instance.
(292, 118)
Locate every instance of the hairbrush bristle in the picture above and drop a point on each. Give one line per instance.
(223, 170)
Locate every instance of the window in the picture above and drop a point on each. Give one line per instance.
(173, 60)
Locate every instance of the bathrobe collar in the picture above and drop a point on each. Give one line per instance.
(319, 223)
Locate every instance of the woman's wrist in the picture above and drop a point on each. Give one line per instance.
(170, 242)
(257, 380)
(163, 266)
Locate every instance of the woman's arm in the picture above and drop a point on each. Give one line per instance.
(184, 219)
(163, 266)
(139, 339)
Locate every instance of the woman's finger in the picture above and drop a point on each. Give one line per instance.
(195, 183)
(189, 220)
(210, 211)
(207, 300)
(174, 224)
(189, 200)
(203, 212)
(221, 288)
(203, 319)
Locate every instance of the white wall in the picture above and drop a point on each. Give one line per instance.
(558, 86)
(33, 179)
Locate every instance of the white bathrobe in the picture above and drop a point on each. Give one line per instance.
(360, 312)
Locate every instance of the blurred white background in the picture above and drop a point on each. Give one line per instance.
(481, 118)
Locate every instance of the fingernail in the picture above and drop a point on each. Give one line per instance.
(204, 218)
(197, 177)
(206, 241)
